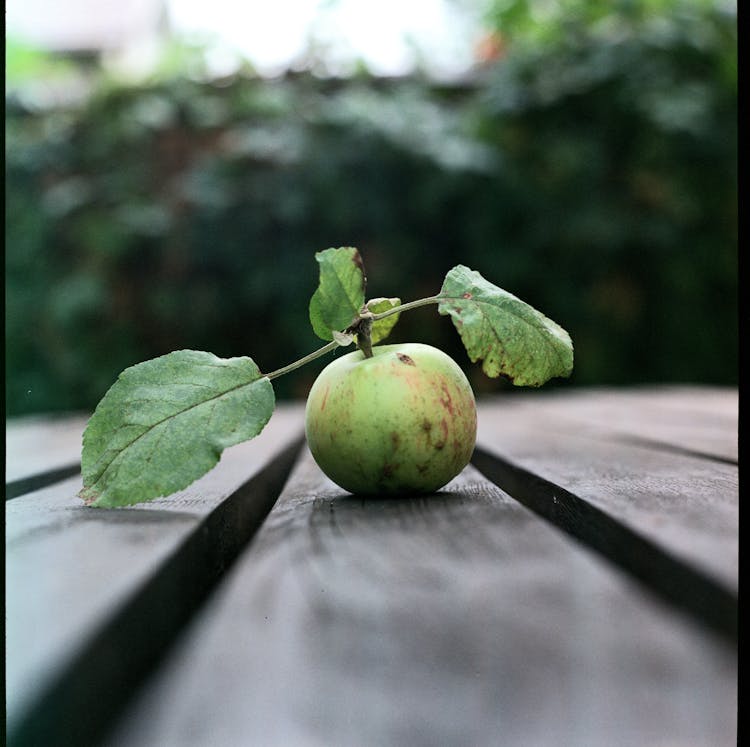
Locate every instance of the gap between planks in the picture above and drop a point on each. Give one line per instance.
(124, 646)
(676, 582)
(456, 618)
(586, 519)
(666, 516)
(16, 488)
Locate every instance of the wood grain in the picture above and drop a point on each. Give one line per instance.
(685, 504)
(91, 594)
(454, 619)
(701, 421)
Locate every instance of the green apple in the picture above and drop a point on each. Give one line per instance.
(403, 421)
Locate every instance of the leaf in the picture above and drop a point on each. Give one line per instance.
(165, 422)
(340, 293)
(382, 327)
(512, 338)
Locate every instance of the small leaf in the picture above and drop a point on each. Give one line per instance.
(382, 328)
(512, 338)
(340, 293)
(165, 422)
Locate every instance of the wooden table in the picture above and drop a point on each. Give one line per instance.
(577, 585)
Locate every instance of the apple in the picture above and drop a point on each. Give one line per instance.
(403, 421)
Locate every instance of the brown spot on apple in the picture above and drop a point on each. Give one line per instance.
(446, 400)
(443, 438)
(407, 359)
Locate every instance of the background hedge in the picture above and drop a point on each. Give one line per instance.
(590, 170)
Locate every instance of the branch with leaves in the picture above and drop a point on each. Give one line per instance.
(165, 422)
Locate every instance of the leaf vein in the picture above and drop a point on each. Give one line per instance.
(537, 324)
(149, 428)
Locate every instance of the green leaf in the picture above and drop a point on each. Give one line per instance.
(382, 327)
(340, 293)
(512, 338)
(165, 422)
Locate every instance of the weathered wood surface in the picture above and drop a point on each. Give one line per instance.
(456, 619)
(36, 444)
(73, 573)
(674, 418)
(41, 451)
(685, 504)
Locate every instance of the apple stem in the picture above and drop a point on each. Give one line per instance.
(364, 336)
(361, 327)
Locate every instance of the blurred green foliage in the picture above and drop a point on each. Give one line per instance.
(589, 168)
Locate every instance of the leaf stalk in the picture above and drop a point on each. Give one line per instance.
(331, 346)
(407, 307)
(362, 329)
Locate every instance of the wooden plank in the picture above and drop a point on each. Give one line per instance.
(702, 421)
(683, 508)
(82, 582)
(41, 451)
(37, 444)
(454, 619)
(40, 480)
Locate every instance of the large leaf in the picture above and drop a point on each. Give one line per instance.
(382, 328)
(340, 293)
(512, 338)
(165, 422)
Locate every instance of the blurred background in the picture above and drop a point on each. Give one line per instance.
(172, 166)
